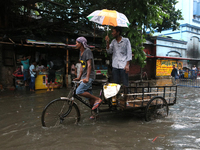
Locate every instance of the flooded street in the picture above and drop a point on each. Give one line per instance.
(21, 129)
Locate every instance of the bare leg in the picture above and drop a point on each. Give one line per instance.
(52, 86)
(93, 99)
(48, 84)
(26, 83)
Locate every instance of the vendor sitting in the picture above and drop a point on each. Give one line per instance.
(40, 67)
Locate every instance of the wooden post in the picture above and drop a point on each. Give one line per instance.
(67, 63)
(67, 66)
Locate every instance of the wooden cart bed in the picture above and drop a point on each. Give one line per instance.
(139, 96)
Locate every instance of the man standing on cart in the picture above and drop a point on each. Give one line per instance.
(87, 73)
(120, 48)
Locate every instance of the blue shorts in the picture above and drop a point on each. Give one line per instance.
(84, 87)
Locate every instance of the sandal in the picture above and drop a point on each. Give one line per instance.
(96, 105)
(92, 117)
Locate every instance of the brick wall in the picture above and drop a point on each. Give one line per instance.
(135, 70)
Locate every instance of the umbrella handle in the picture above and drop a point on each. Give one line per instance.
(107, 29)
(108, 26)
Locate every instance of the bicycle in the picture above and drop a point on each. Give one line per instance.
(152, 101)
(65, 109)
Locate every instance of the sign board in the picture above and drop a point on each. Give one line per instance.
(164, 67)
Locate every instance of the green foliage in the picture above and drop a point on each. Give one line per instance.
(143, 15)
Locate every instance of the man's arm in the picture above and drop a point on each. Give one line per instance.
(75, 71)
(34, 70)
(129, 51)
(127, 66)
(20, 59)
(129, 56)
(109, 46)
(89, 68)
(28, 57)
(80, 74)
(107, 39)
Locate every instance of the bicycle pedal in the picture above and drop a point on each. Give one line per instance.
(105, 102)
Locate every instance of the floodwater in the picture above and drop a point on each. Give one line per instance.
(21, 129)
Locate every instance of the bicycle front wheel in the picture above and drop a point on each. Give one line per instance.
(60, 111)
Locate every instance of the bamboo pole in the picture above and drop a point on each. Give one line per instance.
(11, 40)
(67, 63)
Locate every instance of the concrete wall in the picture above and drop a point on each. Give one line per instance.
(189, 30)
(164, 46)
(6, 78)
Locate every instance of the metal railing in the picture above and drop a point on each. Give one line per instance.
(189, 78)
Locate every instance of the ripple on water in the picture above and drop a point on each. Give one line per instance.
(197, 140)
(178, 126)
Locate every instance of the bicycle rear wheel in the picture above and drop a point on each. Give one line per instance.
(60, 111)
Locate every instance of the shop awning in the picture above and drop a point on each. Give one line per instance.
(70, 45)
(45, 42)
(52, 43)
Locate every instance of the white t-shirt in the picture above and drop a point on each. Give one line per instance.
(194, 68)
(31, 70)
(78, 66)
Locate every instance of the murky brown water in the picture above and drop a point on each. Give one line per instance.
(20, 125)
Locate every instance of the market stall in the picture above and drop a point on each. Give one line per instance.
(42, 80)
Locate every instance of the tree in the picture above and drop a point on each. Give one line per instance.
(146, 15)
(70, 16)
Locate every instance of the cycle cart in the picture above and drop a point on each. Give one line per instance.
(143, 97)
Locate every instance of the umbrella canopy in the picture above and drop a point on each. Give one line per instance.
(109, 17)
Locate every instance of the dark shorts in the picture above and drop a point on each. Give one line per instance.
(51, 77)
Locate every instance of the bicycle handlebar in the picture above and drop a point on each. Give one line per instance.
(77, 81)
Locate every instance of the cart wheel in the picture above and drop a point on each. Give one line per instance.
(156, 108)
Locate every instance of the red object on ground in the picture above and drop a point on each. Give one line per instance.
(155, 139)
(18, 75)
